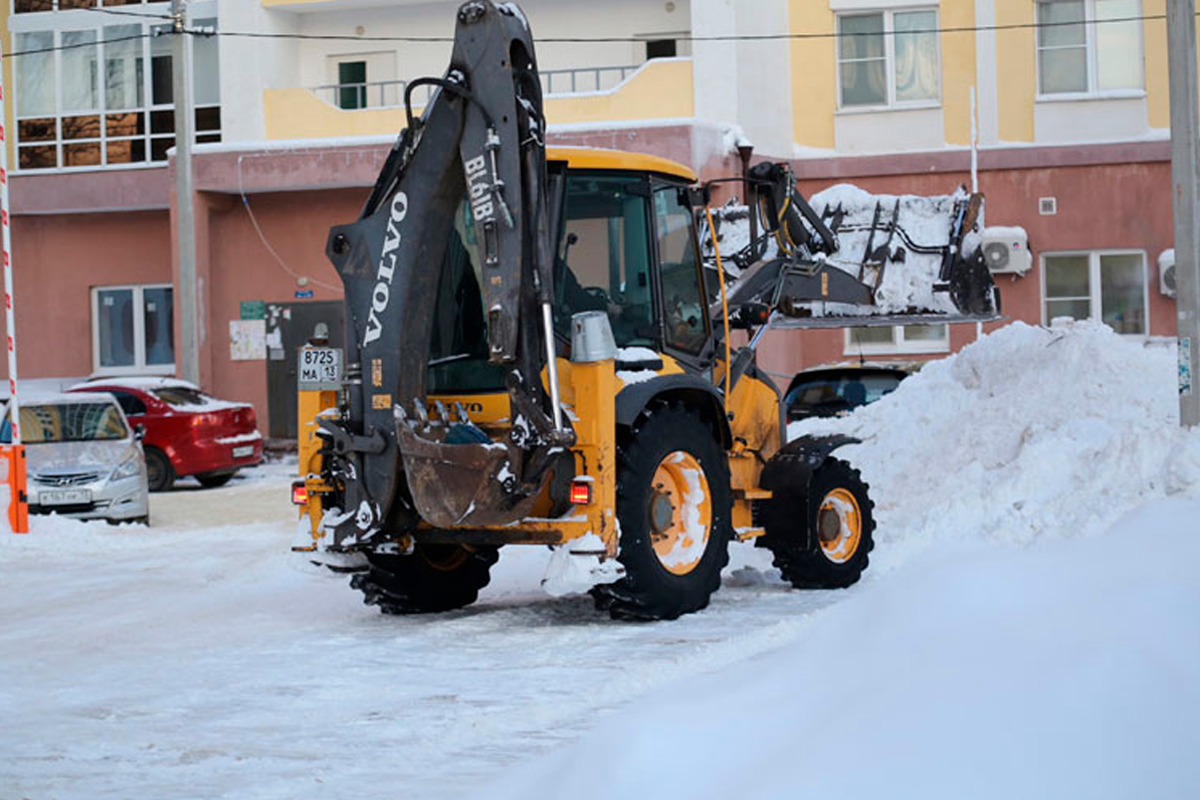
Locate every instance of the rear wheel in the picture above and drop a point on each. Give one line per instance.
(211, 480)
(160, 475)
(674, 509)
(434, 577)
(833, 551)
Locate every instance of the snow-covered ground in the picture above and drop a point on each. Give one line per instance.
(1029, 627)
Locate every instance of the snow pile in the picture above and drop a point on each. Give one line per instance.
(1027, 433)
(1065, 670)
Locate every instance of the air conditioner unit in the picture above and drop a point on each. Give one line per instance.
(1006, 251)
(1166, 272)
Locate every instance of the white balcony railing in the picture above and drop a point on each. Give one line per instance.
(390, 94)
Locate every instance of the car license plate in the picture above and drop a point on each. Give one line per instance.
(320, 368)
(243, 452)
(64, 497)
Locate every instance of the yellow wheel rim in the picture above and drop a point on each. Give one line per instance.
(680, 512)
(444, 557)
(839, 525)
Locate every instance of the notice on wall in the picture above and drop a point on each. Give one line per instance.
(247, 339)
(253, 309)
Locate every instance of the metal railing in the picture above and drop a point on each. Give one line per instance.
(390, 94)
(585, 79)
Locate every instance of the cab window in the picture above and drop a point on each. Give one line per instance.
(458, 345)
(603, 257)
(685, 324)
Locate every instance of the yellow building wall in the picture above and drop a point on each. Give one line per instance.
(958, 70)
(1154, 47)
(661, 90)
(1016, 72)
(814, 74)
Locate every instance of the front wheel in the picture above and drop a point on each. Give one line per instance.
(673, 505)
(832, 552)
(434, 577)
(160, 475)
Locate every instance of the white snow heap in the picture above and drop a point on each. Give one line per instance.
(1024, 434)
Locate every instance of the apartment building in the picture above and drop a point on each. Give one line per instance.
(296, 102)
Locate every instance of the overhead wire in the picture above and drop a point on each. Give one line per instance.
(716, 38)
(765, 37)
(77, 45)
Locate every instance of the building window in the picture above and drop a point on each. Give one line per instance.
(1077, 56)
(888, 58)
(133, 329)
(107, 99)
(1110, 287)
(899, 339)
(661, 48)
(352, 85)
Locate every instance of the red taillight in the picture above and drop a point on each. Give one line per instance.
(581, 492)
(299, 493)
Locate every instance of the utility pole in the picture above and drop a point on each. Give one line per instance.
(188, 350)
(1185, 187)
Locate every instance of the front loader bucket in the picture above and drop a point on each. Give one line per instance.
(460, 485)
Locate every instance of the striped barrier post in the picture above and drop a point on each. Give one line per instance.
(18, 505)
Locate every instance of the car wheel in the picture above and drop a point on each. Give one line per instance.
(160, 475)
(211, 480)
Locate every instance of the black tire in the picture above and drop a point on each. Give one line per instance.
(160, 475)
(434, 577)
(650, 590)
(807, 559)
(211, 480)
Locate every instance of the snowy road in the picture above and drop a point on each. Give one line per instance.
(204, 660)
(199, 658)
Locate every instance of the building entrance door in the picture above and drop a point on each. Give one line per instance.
(289, 327)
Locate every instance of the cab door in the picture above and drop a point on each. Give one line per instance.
(683, 307)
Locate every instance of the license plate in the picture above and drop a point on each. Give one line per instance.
(64, 497)
(243, 452)
(320, 368)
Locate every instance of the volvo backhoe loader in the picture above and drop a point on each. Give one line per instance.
(534, 356)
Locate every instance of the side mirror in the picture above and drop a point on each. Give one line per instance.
(139, 431)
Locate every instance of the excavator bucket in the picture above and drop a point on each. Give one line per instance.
(847, 258)
(456, 480)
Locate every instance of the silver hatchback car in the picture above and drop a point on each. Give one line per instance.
(83, 459)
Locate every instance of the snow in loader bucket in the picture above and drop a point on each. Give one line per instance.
(899, 252)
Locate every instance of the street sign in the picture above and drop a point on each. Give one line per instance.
(320, 369)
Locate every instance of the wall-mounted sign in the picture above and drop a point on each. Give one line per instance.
(254, 309)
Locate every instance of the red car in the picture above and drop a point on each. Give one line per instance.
(187, 431)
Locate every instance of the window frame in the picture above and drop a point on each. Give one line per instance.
(690, 357)
(60, 22)
(899, 345)
(889, 58)
(139, 366)
(1091, 59)
(1095, 299)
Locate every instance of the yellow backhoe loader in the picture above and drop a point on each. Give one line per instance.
(538, 354)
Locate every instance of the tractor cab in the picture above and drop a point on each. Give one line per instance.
(624, 244)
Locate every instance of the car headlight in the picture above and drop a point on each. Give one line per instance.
(127, 468)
